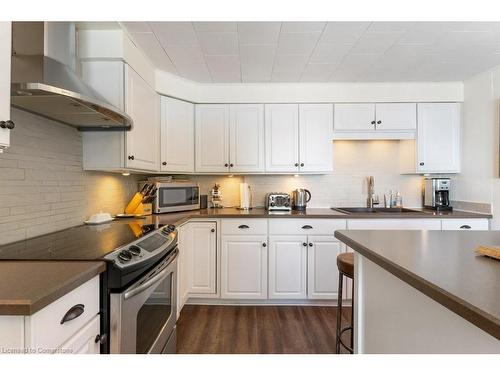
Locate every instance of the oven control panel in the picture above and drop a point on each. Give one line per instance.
(144, 248)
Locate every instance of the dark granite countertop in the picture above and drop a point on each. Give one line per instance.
(442, 265)
(27, 287)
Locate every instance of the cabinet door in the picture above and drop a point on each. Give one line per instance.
(287, 267)
(282, 137)
(84, 341)
(212, 138)
(182, 267)
(354, 117)
(396, 116)
(315, 130)
(322, 271)
(438, 138)
(246, 138)
(202, 258)
(244, 267)
(5, 56)
(177, 135)
(142, 104)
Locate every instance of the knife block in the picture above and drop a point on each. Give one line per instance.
(135, 206)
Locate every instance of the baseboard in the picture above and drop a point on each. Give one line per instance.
(295, 302)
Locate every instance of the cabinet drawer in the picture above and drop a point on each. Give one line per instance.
(465, 224)
(244, 226)
(44, 328)
(305, 226)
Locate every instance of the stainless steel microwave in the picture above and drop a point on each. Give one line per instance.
(176, 196)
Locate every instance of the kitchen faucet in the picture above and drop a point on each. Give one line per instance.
(372, 198)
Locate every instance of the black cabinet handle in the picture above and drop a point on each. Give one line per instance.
(421, 163)
(243, 226)
(304, 243)
(264, 244)
(231, 165)
(2, 124)
(9, 124)
(101, 339)
(73, 313)
(212, 230)
(226, 165)
(307, 227)
(379, 122)
(310, 244)
(131, 157)
(296, 164)
(164, 163)
(301, 164)
(373, 122)
(465, 226)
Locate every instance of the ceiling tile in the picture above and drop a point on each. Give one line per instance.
(297, 43)
(226, 76)
(215, 43)
(154, 51)
(302, 27)
(253, 74)
(216, 26)
(196, 72)
(174, 32)
(137, 27)
(375, 42)
(288, 76)
(389, 27)
(223, 63)
(343, 32)
(258, 32)
(184, 54)
(325, 53)
(290, 63)
(257, 56)
(318, 72)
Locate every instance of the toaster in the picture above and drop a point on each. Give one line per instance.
(278, 202)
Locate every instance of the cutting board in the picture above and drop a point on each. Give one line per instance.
(489, 251)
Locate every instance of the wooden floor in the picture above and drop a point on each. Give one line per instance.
(258, 329)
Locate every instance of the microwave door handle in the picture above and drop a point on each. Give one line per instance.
(142, 287)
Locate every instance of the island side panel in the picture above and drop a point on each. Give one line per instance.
(393, 317)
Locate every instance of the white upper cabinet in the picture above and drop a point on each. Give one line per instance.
(246, 138)
(142, 104)
(282, 137)
(374, 121)
(355, 116)
(177, 135)
(138, 148)
(315, 137)
(438, 138)
(212, 138)
(396, 116)
(5, 56)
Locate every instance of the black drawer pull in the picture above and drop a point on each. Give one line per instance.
(304, 244)
(310, 244)
(264, 244)
(307, 227)
(73, 313)
(243, 226)
(465, 226)
(212, 230)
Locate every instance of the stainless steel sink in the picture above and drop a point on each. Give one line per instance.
(375, 210)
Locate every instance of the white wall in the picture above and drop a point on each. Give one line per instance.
(479, 181)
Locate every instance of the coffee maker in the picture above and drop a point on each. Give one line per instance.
(437, 194)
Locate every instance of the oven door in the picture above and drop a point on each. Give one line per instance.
(176, 197)
(143, 317)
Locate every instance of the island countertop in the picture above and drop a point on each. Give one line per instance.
(441, 265)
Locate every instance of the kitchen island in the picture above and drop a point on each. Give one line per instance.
(425, 292)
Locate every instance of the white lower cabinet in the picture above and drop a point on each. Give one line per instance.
(288, 267)
(465, 224)
(201, 247)
(322, 271)
(84, 341)
(244, 267)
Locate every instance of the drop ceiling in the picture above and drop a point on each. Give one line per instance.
(236, 52)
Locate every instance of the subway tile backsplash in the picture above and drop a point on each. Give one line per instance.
(42, 185)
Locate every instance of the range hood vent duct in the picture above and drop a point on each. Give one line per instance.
(43, 81)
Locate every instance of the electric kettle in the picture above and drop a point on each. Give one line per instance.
(300, 198)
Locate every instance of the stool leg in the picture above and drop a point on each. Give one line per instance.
(352, 317)
(339, 313)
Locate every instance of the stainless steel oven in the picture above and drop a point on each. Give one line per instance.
(176, 196)
(143, 316)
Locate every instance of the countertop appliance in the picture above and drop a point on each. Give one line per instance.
(176, 196)
(278, 202)
(245, 196)
(300, 197)
(437, 194)
(44, 80)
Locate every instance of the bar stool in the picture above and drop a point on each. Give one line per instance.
(345, 264)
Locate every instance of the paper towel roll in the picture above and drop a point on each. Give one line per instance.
(244, 195)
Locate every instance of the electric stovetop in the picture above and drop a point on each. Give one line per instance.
(84, 242)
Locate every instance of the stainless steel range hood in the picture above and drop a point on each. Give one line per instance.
(44, 81)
